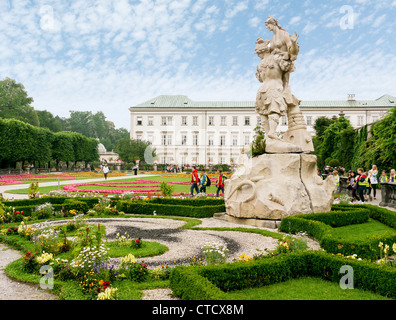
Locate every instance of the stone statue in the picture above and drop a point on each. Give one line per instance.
(283, 182)
(274, 98)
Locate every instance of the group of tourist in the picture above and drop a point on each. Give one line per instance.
(363, 184)
(199, 182)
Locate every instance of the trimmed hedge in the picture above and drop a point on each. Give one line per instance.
(211, 282)
(146, 207)
(320, 226)
(188, 202)
(90, 201)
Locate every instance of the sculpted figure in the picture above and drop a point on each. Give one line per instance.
(274, 98)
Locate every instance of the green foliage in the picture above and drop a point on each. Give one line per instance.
(320, 226)
(336, 142)
(24, 142)
(210, 282)
(15, 102)
(166, 190)
(145, 207)
(258, 146)
(129, 150)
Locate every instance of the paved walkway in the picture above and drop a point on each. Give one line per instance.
(5, 188)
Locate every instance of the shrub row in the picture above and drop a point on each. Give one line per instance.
(90, 201)
(211, 282)
(146, 207)
(320, 226)
(188, 202)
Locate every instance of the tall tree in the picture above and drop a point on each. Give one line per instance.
(47, 120)
(15, 102)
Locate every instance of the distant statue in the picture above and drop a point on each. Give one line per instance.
(274, 98)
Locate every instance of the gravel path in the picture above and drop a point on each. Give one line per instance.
(14, 290)
(182, 244)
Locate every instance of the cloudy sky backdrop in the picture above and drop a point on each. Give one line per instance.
(108, 55)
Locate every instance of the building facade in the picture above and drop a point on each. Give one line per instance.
(186, 132)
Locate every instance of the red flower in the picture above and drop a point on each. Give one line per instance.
(21, 212)
(28, 254)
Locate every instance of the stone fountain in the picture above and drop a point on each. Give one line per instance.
(283, 181)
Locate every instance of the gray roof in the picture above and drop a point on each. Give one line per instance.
(183, 102)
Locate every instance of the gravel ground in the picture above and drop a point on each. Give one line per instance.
(14, 290)
(182, 244)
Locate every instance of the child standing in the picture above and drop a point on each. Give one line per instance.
(220, 183)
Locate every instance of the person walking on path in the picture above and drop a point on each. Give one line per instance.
(352, 185)
(105, 171)
(373, 173)
(363, 183)
(194, 181)
(203, 182)
(220, 183)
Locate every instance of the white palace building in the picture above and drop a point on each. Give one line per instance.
(214, 132)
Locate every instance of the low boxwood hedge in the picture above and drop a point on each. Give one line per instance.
(320, 226)
(211, 282)
(147, 207)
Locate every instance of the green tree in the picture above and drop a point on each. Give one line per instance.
(130, 150)
(47, 120)
(15, 102)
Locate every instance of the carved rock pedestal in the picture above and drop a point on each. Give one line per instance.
(268, 188)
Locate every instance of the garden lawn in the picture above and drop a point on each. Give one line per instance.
(303, 289)
(357, 232)
(177, 188)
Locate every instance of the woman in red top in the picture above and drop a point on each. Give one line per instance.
(194, 181)
(220, 183)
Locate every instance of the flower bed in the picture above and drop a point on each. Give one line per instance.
(133, 187)
(212, 282)
(321, 227)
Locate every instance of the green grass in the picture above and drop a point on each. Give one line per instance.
(148, 249)
(303, 289)
(362, 231)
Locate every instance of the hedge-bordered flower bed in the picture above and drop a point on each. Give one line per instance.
(211, 282)
(320, 226)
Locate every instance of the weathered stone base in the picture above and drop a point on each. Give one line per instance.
(271, 187)
(269, 224)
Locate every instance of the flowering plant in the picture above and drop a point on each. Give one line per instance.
(108, 294)
(214, 252)
(245, 258)
(136, 243)
(30, 263)
(90, 256)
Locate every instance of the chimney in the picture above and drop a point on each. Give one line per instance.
(351, 97)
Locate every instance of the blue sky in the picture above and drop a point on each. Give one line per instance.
(109, 55)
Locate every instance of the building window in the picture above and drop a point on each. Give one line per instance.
(184, 121)
(211, 121)
(150, 139)
(258, 121)
(163, 140)
(309, 121)
(222, 140)
(247, 121)
(234, 121)
(210, 142)
(222, 160)
(195, 121)
(235, 141)
(139, 137)
(170, 142)
(223, 121)
(195, 139)
(360, 120)
(170, 121)
(247, 140)
(163, 121)
(150, 121)
(139, 121)
(184, 140)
